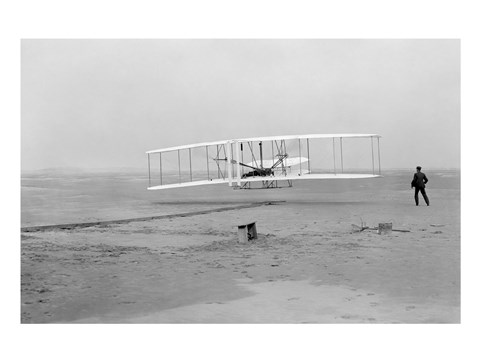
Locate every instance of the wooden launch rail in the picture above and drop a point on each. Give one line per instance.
(75, 226)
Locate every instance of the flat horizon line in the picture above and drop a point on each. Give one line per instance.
(142, 169)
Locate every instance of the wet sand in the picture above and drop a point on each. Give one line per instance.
(307, 265)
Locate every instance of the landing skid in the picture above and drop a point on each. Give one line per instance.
(267, 184)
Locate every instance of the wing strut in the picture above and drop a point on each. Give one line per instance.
(208, 169)
(273, 154)
(161, 181)
(261, 154)
(237, 153)
(373, 157)
(308, 156)
(300, 153)
(190, 160)
(229, 164)
(179, 172)
(341, 153)
(378, 147)
(334, 165)
(149, 181)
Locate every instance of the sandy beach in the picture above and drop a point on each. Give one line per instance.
(308, 265)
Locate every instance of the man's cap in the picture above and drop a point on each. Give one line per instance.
(419, 168)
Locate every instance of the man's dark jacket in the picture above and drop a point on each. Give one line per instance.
(419, 180)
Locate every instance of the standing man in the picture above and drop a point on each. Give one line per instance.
(419, 181)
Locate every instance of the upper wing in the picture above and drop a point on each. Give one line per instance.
(308, 136)
(267, 138)
(186, 147)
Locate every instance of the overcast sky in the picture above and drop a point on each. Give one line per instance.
(103, 103)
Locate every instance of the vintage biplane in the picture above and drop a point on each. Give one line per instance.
(264, 162)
